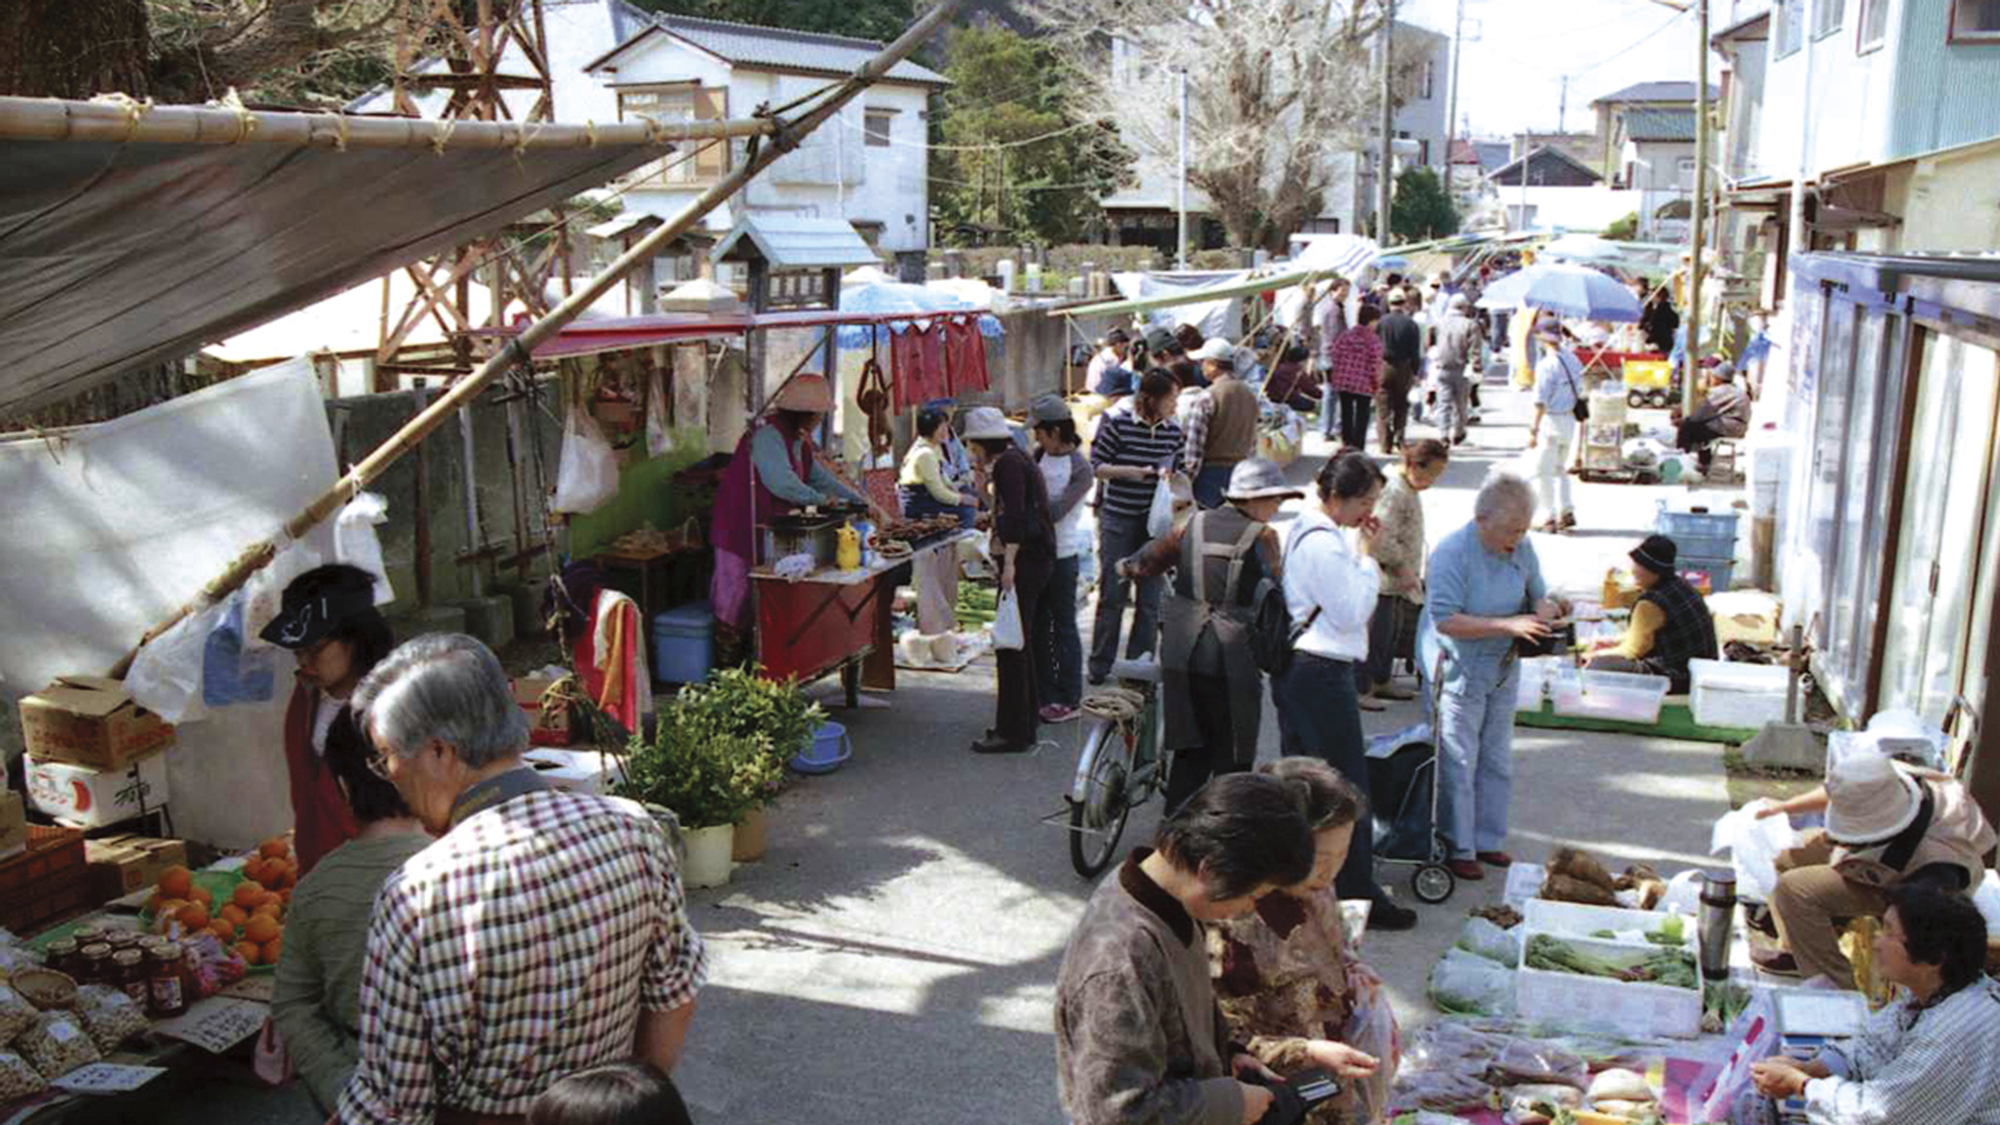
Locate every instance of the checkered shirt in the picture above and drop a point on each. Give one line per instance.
(516, 950)
(1356, 366)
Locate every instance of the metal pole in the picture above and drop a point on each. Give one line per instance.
(474, 542)
(1527, 150)
(1797, 241)
(1384, 174)
(1451, 103)
(1180, 245)
(1699, 212)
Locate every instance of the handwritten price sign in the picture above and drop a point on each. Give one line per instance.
(107, 1078)
(217, 1023)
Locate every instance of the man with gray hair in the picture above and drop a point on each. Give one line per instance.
(1458, 348)
(1485, 592)
(544, 932)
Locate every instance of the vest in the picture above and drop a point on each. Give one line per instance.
(1687, 629)
(1205, 608)
(1958, 835)
(1232, 432)
(321, 818)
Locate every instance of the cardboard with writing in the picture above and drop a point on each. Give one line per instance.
(90, 721)
(84, 797)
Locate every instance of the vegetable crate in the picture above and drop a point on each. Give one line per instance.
(46, 882)
(1573, 1000)
(1576, 920)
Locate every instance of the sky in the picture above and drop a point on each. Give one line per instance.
(1510, 76)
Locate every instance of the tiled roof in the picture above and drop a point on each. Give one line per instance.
(1546, 163)
(1659, 124)
(784, 49)
(1656, 92)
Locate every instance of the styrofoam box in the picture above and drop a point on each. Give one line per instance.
(1574, 919)
(576, 771)
(1724, 693)
(1524, 882)
(1621, 696)
(1575, 1000)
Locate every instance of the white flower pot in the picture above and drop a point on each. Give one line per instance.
(708, 850)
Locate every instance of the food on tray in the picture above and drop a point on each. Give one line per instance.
(110, 1016)
(57, 1044)
(1675, 967)
(18, 1079)
(1505, 917)
(252, 920)
(1621, 1085)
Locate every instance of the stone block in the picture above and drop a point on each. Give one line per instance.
(491, 619)
(431, 619)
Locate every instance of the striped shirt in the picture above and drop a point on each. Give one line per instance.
(1122, 439)
(1908, 1066)
(519, 948)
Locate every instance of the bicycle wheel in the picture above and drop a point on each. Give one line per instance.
(1098, 820)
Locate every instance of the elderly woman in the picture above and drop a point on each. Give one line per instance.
(1398, 547)
(1931, 1056)
(1285, 974)
(1024, 548)
(1485, 592)
(1330, 588)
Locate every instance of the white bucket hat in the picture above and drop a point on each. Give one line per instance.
(1256, 479)
(984, 423)
(1870, 798)
(1215, 349)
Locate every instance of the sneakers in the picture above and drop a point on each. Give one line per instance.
(1057, 713)
(1386, 915)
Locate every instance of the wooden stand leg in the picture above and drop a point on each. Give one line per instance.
(878, 668)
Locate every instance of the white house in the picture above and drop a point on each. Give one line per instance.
(610, 61)
(1655, 150)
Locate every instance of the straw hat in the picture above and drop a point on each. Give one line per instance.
(1257, 479)
(984, 423)
(1870, 798)
(806, 393)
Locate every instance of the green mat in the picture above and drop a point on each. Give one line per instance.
(1676, 721)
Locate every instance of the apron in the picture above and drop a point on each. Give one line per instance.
(740, 505)
(1205, 598)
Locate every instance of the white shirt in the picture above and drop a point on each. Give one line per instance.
(1056, 471)
(329, 710)
(1325, 570)
(1103, 359)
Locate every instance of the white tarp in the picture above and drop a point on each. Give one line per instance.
(113, 526)
(1212, 318)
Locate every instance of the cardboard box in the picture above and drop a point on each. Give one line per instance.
(90, 721)
(85, 797)
(129, 862)
(13, 824)
(528, 693)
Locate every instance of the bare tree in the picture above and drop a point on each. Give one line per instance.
(1278, 92)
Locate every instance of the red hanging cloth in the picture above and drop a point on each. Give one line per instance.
(919, 363)
(967, 363)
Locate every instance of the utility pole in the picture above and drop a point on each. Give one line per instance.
(1527, 150)
(1387, 153)
(1562, 109)
(1797, 241)
(1181, 242)
(1699, 213)
(1451, 104)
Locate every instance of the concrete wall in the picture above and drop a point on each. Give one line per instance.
(1949, 203)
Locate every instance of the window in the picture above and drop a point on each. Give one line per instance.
(876, 125)
(1827, 15)
(1430, 79)
(1790, 17)
(696, 162)
(1975, 19)
(1874, 24)
(1424, 153)
(1686, 168)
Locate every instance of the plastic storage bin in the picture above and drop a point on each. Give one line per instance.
(1574, 1000)
(1536, 672)
(1720, 572)
(684, 644)
(1675, 524)
(1726, 694)
(1621, 696)
(1573, 919)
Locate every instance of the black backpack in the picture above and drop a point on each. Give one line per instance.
(1273, 635)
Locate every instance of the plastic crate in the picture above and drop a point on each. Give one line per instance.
(1675, 524)
(1720, 572)
(684, 644)
(1704, 546)
(46, 882)
(1723, 693)
(1536, 673)
(1619, 696)
(1574, 919)
(1573, 1000)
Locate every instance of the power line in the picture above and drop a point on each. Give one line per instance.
(1642, 41)
(991, 146)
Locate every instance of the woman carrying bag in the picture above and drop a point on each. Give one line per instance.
(1024, 550)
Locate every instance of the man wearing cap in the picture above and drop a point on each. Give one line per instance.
(1219, 423)
(787, 476)
(1214, 692)
(1887, 824)
(1670, 626)
(1558, 388)
(1402, 350)
(1457, 347)
(1725, 413)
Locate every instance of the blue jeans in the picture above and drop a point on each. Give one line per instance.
(1120, 536)
(1210, 483)
(1476, 759)
(1058, 643)
(1319, 714)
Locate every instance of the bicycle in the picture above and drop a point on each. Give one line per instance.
(1119, 766)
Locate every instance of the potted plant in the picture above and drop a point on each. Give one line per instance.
(708, 780)
(739, 704)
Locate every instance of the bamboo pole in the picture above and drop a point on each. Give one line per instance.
(519, 350)
(126, 121)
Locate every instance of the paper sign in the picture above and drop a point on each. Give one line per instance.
(217, 1023)
(256, 986)
(107, 1078)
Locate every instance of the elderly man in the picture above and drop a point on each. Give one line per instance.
(1219, 422)
(1402, 350)
(542, 934)
(1458, 347)
(1725, 413)
(1485, 592)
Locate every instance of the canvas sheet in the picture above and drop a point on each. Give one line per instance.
(1214, 318)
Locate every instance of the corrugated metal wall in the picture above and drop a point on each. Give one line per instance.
(1944, 92)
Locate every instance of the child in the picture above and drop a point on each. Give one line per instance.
(628, 1093)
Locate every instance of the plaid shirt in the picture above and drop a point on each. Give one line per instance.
(1196, 411)
(518, 949)
(1357, 361)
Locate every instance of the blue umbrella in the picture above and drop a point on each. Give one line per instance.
(1567, 290)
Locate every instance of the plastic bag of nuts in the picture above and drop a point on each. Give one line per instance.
(18, 1079)
(109, 1015)
(15, 1014)
(56, 1045)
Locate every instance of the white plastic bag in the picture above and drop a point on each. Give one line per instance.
(1466, 984)
(1007, 631)
(1753, 845)
(659, 435)
(1160, 520)
(588, 474)
(356, 544)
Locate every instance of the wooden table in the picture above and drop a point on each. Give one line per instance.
(834, 620)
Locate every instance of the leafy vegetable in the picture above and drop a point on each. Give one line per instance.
(1675, 967)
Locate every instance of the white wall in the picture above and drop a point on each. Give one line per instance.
(1850, 110)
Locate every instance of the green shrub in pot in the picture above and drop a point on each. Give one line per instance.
(738, 703)
(708, 780)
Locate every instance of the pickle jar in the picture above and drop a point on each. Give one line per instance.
(94, 964)
(128, 975)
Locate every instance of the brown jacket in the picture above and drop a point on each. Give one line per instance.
(1232, 433)
(1139, 1040)
(1959, 837)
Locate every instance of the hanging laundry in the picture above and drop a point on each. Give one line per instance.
(918, 358)
(966, 362)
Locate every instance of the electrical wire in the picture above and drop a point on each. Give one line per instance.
(991, 146)
(1642, 41)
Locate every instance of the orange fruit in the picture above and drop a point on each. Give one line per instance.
(202, 896)
(277, 847)
(273, 874)
(253, 869)
(285, 896)
(269, 908)
(271, 950)
(233, 914)
(261, 928)
(193, 916)
(176, 882)
(224, 930)
(249, 951)
(248, 895)
(291, 877)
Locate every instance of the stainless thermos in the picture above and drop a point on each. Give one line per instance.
(1718, 921)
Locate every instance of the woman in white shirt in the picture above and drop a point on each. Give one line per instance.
(1058, 643)
(1330, 587)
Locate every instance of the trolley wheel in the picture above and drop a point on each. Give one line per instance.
(1097, 821)
(1660, 399)
(1433, 883)
(1635, 399)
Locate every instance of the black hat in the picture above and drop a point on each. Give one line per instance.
(1159, 341)
(1117, 336)
(319, 602)
(1656, 554)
